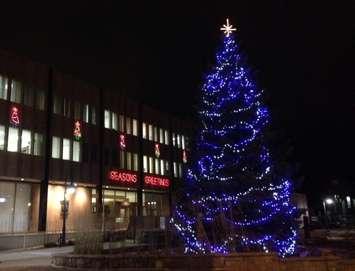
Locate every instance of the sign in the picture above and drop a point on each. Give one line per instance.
(77, 130)
(122, 177)
(154, 181)
(122, 141)
(14, 115)
(157, 150)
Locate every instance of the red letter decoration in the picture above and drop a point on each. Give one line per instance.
(122, 177)
(77, 130)
(157, 150)
(154, 181)
(122, 141)
(14, 115)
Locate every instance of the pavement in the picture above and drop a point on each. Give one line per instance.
(34, 259)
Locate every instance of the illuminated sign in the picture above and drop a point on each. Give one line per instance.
(157, 150)
(14, 115)
(155, 181)
(122, 177)
(122, 141)
(77, 130)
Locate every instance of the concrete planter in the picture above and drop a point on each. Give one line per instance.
(234, 262)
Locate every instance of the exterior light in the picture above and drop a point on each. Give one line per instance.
(71, 190)
(2, 200)
(329, 201)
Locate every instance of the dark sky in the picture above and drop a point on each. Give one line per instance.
(301, 52)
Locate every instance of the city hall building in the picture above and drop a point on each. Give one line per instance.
(64, 142)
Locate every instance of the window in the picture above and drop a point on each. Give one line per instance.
(37, 144)
(12, 141)
(150, 128)
(134, 127)
(40, 97)
(166, 135)
(77, 110)
(28, 98)
(122, 159)
(86, 113)
(161, 136)
(144, 130)
(66, 107)
(107, 120)
(16, 91)
(2, 136)
(180, 170)
(135, 161)
(3, 87)
(66, 149)
(76, 151)
(93, 115)
(175, 169)
(26, 140)
(114, 121)
(174, 139)
(157, 166)
(121, 119)
(145, 163)
(182, 142)
(129, 161)
(57, 105)
(167, 169)
(151, 165)
(162, 167)
(55, 147)
(178, 141)
(128, 126)
(155, 133)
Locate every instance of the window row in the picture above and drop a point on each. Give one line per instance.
(122, 124)
(180, 141)
(20, 93)
(74, 109)
(155, 166)
(155, 133)
(21, 140)
(66, 149)
(177, 168)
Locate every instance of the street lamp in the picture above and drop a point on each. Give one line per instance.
(327, 201)
(68, 190)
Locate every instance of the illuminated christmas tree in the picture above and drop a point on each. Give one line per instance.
(234, 200)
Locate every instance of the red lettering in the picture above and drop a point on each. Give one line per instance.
(122, 177)
(156, 181)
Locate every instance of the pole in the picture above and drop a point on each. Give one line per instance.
(64, 214)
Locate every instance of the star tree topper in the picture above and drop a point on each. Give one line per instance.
(228, 28)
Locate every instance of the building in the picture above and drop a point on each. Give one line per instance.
(61, 138)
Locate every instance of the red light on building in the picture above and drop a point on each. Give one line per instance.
(14, 115)
(77, 130)
(122, 141)
(184, 156)
(157, 150)
(122, 177)
(155, 181)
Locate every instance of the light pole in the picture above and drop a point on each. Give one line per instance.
(327, 201)
(65, 208)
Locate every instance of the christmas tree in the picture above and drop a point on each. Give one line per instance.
(235, 200)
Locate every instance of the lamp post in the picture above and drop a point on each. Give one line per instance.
(327, 201)
(65, 208)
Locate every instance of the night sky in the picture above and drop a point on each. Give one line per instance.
(301, 52)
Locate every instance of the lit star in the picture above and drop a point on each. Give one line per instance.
(227, 28)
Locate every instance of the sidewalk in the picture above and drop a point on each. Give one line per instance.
(25, 259)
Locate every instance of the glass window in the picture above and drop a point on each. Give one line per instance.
(26, 141)
(93, 115)
(145, 163)
(86, 113)
(122, 159)
(162, 167)
(135, 161)
(114, 121)
(3, 87)
(38, 144)
(144, 130)
(161, 135)
(128, 125)
(175, 169)
(40, 97)
(155, 134)
(121, 120)
(129, 161)
(16, 91)
(166, 136)
(76, 151)
(183, 142)
(12, 141)
(2, 137)
(28, 98)
(134, 127)
(55, 147)
(77, 110)
(180, 170)
(57, 106)
(150, 128)
(107, 120)
(174, 140)
(157, 166)
(66, 149)
(151, 165)
(66, 107)
(178, 140)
